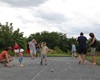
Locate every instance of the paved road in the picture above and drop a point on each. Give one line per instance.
(64, 68)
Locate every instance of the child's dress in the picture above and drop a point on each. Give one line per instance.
(20, 57)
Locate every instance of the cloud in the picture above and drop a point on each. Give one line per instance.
(66, 16)
(52, 17)
(24, 3)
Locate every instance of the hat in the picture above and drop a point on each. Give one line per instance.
(21, 50)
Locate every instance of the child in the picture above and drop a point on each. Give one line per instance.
(21, 57)
(73, 51)
(44, 51)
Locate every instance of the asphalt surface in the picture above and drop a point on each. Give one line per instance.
(58, 68)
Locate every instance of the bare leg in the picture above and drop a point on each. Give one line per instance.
(72, 55)
(83, 58)
(79, 57)
(94, 60)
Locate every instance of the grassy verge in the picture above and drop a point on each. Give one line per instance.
(89, 58)
(58, 55)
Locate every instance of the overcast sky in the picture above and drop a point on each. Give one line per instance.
(65, 16)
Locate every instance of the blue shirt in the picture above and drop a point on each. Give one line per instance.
(82, 41)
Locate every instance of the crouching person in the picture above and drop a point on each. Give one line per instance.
(5, 58)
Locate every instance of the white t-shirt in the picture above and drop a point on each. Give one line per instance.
(44, 50)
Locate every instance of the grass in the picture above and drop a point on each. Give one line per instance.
(89, 58)
(58, 55)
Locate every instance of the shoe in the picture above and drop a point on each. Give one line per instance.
(41, 63)
(79, 62)
(21, 65)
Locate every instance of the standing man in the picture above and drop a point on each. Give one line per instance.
(32, 48)
(82, 47)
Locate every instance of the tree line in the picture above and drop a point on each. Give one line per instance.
(8, 37)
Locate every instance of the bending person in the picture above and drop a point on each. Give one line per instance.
(5, 58)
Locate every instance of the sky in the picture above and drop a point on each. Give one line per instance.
(66, 16)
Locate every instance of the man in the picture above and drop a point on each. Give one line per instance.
(5, 58)
(32, 48)
(82, 47)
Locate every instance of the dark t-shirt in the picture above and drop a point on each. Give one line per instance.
(82, 41)
(94, 44)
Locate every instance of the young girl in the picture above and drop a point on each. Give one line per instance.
(44, 51)
(21, 57)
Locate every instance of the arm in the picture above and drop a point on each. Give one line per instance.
(47, 50)
(10, 57)
(93, 41)
(7, 58)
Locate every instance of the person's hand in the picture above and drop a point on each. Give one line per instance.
(8, 65)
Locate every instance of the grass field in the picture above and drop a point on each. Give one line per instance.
(89, 58)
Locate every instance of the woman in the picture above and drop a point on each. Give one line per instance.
(93, 48)
(16, 49)
(5, 58)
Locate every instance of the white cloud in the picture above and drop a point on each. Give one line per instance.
(66, 16)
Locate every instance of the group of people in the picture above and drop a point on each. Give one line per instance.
(32, 49)
(82, 47)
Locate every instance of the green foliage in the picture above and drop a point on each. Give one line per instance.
(11, 53)
(57, 49)
(54, 40)
(98, 45)
(8, 37)
(89, 58)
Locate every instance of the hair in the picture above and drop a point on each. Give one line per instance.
(91, 35)
(8, 48)
(43, 43)
(81, 33)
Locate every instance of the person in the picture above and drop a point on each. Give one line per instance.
(93, 47)
(16, 49)
(82, 47)
(21, 57)
(5, 58)
(73, 51)
(37, 49)
(32, 49)
(44, 51)
(28, 49)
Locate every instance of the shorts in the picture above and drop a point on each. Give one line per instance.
(37, 50)
(82, 50)
(43, 56)
(2, 61)
(20, 59)
(16, 50)
(32, 52)
(73, 52)
(93, 51)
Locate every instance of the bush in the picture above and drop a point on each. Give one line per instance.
(58, 50)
